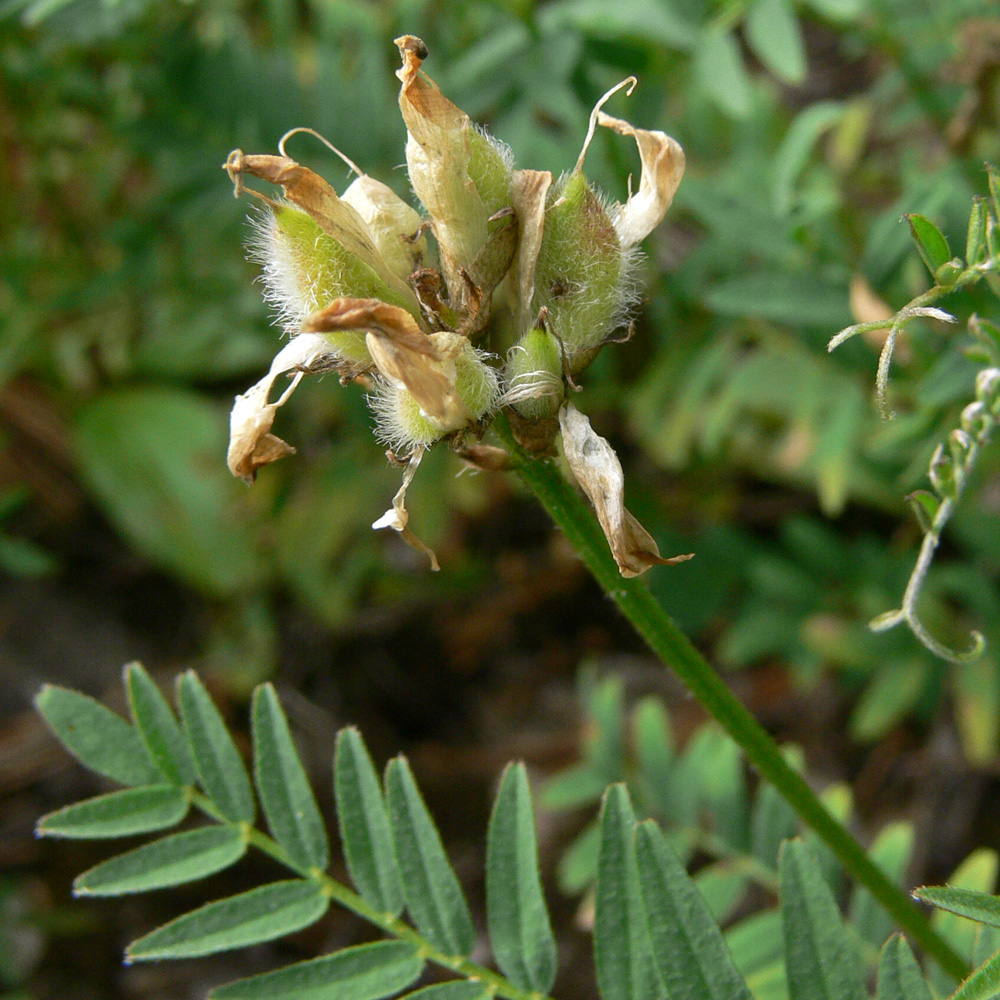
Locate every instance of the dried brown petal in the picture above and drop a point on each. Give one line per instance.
(251, 445)
(662, 168)
(596, 467)
(403, 353)
(438, 155)
(529, 191)
(336, 217)
(397, 517)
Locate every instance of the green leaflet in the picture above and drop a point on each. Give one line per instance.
(773, 821)
(820, 961)
(969, 903)
(983, 984)
(687, 945)
(520, 931)
(719, 72)
(285, 795)
(366, 972)
(772, 32)
(181, 857)
(158, 727)
(625, 969)
(364, 825)
(891, 852)
(930, 241)
(433, 894)
(262, 914)
(118, 814)
(220, 768)
(899, 976)
(458, 989)
(99, 738)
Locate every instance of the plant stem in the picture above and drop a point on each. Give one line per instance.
(673, 648)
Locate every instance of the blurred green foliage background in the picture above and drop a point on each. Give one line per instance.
(130, 318)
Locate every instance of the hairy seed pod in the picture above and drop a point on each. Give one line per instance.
(582, 274)
(534, 377)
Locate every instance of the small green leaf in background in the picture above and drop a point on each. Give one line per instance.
(151, 457)
(520, 931)
(977, 708)
(924, 505)
(797, 146)
(719, 73)
(220, 766)
(980, 906)
(622, 950)
(433, 893)
(891, 852)
(975, 240)
(262, 914)
(930, 241)
(688, 947)
(654, 748)
(899, 976)
(182, 857)
(820, 961)
(285, 794)
(118, 814)
(365, 972)
(773, 821)
(364, 825)
(99, 738)
(773, 34)
(158, 727)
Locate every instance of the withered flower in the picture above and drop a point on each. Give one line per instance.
(543, 266)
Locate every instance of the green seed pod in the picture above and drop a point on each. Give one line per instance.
(947, 274)
(942, 472)
(305, 269)
(491, 170)
(533, 376)
(582, 274)
(402, 425)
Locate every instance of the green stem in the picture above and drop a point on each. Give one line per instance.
(666, 640)
(496, 984)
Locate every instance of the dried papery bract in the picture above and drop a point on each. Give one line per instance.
(398, 518)
(597, 469)
(662, 169)
(251, 445)
(443, 151)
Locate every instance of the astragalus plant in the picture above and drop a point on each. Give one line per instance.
(526, 278)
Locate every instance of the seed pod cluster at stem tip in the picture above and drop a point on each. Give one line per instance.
(535, 268)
